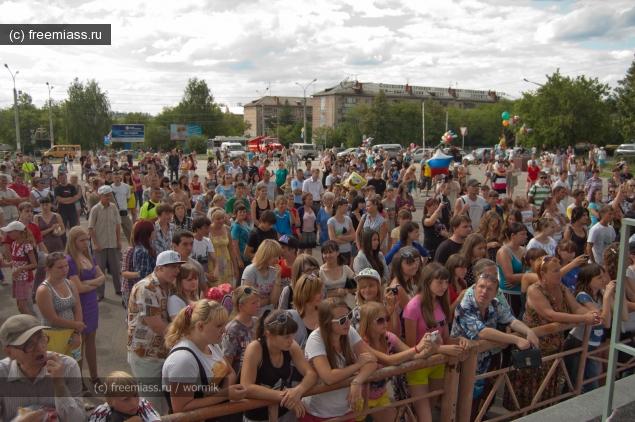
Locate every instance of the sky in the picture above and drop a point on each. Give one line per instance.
(240, 47)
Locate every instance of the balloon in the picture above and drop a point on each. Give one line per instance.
(525, 125)
(454, 136)
(505, 123)
(529, 130)
(412, 145)
(511, 122)
(354, 181)
(505, 115)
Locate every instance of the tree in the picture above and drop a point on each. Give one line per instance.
(197, 106)
(88, 111)
(379, 122)
(566, 111)
(197, 143)
(625, 104)
(286, 114)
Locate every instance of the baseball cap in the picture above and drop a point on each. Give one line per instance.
(18, 329)
(104, 190)
(15, 225)
(289, 241)
(368, 273)
(169, 257)
(473, 182)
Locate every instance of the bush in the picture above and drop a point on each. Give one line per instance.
(198, 144)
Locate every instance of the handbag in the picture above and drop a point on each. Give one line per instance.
(527, 359)
(350, 284)
(516, 172)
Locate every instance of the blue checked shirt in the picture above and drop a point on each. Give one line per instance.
(162, 241)
(143, 262)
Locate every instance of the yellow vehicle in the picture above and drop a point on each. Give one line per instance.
(58, 151)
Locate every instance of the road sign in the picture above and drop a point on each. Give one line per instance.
(463, 130)
(127, 133)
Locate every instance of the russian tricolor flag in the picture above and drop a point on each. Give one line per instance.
(439, 163)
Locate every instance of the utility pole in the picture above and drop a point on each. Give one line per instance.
(66, 118)
(50, 114)
(262, 103)
(304, 88)
(423, 123)
(15, 107)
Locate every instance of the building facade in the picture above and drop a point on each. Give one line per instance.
(268, 109)
(332, 104)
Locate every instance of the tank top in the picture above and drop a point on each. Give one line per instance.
(259, 210)
(63, 306)
(137, 180)
(517, 268)
(308, 222)
(579, 241)
(572, 169)
(270, 377)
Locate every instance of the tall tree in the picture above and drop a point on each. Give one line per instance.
(625, 104)
(566, 111)
(286, 114)
(88, 111)
(197, 106)
(379, 124)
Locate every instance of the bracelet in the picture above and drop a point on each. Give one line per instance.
(78, 333)
(356, 383)
(416, 351)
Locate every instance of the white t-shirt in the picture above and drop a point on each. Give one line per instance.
(175, 304)
(601, 237)
(476, 209)
(333, 403)
(122, 194)
(567, 187)
(264, 284)
(549, 247)
(201, 250)
(181, 366)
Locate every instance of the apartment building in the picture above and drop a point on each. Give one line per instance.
(332, 104)
(260, 112)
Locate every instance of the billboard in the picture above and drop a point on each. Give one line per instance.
(127, 133)
(180, 132)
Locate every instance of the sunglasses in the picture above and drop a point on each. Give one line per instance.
(543, 178)
(343, 320)
(311, 272)
(382, 320)
(488, 276)
(282, 319)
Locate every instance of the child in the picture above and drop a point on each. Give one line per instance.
(308, 225)
(600, 233)
(474, 248)
(389, 206)
(428, 312)
(402, 217)
(545, 228)
(264, 274)
(264, 379)
(203, 250)
(597, 294)
(389, 350)
(242, 329)
(184, 291)
(457, 267)
(408, 236)
(295, 225)
(22, 264)
(492, 199)
(281, 177)
(369, 290)
(286, 187)
(123, 402)
(283, 217)
(261, 232)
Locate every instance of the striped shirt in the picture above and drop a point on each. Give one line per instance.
(539, 193)
(17, 391)
(591, 185)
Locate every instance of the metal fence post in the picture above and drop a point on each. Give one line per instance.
(466, 385)
(451, 388)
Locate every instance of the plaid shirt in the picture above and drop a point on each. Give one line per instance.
(590, 186)
(162, 241)
(127, 265)
(185, 224)
(142, 261)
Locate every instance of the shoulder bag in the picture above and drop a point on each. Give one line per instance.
(527, 359)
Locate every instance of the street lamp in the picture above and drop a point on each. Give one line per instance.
(532, 82)
(50, 87)
(262, 96)
(15, 106)
(305, 88)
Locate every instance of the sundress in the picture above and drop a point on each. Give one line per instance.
(225, 266)
(527, 382)
(23, 283)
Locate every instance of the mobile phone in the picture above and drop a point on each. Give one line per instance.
(586, 256)
(433, 336)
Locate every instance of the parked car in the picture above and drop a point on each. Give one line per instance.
(306, 151)
(391, 149)
(124, 153)
(624, 150)
(417, 156)
(346, 152)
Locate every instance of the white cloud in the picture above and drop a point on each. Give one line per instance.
(240, 46)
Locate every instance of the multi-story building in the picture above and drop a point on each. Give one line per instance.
(332, 104)
(260, 112)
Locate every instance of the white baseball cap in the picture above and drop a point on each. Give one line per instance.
(104, 190)
(15, 225)
(370, 273)
(169, 257)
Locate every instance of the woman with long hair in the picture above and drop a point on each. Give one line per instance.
(545, 228)
(270, 361)
(404, 200)
(373, 219)
(194, 337)
(572, 171)
(265, 274)
(532, 257)
(337, 352)
(473, 249)
(565, 252)
(86, 276)
(529, 213)
(144, 257)
(323, 217)
(184, 290)
(457, 267)
(513, 216)
(210, 179)
(549, 209)
(510, 267)
(308, 294)
(304, 264)
(408, 237)
(241, 330)
(491, 228)
(370, 256)
(260, 204)
(410, 180)
(221, 238)
(196, 187)
(308, 224)
(594, 206)
(335, 271)
(434, 231)
(184, 184)
(253, 185)
(341, 229)
(369, 289)
(165, 187)
(226, 187)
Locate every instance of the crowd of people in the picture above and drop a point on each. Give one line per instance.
(223, 291)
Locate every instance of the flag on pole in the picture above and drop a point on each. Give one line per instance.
(439, 163)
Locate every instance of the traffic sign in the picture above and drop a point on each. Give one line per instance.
(127, 133)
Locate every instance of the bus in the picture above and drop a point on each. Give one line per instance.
(218, 141)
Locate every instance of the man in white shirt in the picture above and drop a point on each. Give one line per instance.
(567, 187)
(601, 235)
(270, 184)
(121, 191)
(471, 204)
(314, 186)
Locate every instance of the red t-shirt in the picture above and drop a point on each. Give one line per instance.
(22, 190)
(532, 173)
(260, 170)
(295, 230)
(35, 230)
(285, 275)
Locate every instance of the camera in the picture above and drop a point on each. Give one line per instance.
(433, 336)
(394, 289)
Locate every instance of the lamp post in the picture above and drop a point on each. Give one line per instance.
(262, 96)
(50, 87)
(15, 107)
(304, 89)
(532, 82)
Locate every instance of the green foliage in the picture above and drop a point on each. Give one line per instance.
(328, 137)
(286, 114)
(625, 104)
(87, 113)
(565, 111)
(234, 125)
(198, 144)
(378, 122)
(197, 106)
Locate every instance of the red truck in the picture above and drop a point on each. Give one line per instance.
(265, 144)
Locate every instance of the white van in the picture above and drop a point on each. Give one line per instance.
(305, 151)
(234, 149)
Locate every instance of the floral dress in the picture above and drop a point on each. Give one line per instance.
(527, 382)
(225, 265)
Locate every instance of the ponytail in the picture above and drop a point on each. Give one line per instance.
(187, 318)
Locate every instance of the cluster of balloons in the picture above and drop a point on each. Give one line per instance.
(525, 130)
(107, 140)
(448, 136)
(509, 120)
(367, 142)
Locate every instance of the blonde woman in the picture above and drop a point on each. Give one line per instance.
(220, 235)
(218, 203)
(264, 274)
(184, 291)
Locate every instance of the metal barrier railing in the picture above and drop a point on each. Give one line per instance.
(457, 391)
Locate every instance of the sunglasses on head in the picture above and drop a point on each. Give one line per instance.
(282, 319)
(488, 276)
(407, 253)
(343, 320)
